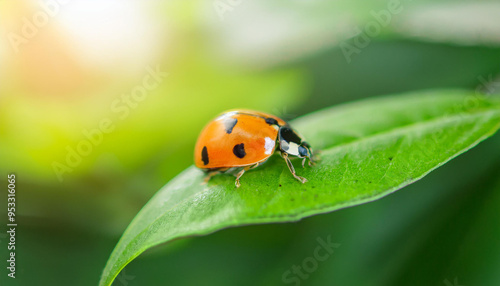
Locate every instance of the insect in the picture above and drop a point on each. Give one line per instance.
(239, 140)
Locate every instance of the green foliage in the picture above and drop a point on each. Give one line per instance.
(368, 149)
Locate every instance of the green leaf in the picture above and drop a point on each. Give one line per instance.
(368, 149)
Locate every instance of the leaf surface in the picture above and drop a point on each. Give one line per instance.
(367, 150)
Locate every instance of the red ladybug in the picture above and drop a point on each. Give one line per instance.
(239, 140)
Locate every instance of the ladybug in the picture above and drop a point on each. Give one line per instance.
(239, 140)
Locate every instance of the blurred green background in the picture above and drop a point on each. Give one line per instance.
(157, 71)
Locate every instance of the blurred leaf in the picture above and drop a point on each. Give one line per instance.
(458, 226)
(481, 241)
(298, 29)
(458, 22)
(405, 138)
(390, 67)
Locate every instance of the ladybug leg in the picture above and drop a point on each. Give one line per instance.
(238, 176)
(314, 158)
(292, 170)
(240, 173)
(254, 166)
(311, 163)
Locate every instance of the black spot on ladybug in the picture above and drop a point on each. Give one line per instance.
(229, 124)
(204, 155)
(289, 135)
(239, 150)
(271, 121)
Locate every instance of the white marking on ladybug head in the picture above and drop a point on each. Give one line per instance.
(269, 146)
(293, 148)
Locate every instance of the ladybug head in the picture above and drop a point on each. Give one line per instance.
(292, 143)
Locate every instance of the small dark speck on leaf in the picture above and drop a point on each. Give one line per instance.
(280, 185)
(369, 182)
(390, 158)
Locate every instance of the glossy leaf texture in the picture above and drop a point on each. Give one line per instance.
(367, 149)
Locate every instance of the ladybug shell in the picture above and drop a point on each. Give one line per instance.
(237, 138)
